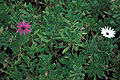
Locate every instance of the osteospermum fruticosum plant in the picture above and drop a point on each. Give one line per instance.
(23, 27)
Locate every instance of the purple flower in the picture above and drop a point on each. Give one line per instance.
(23, 27)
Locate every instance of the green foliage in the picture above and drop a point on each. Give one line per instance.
(4, 17)
(74, 64)
(65, 41)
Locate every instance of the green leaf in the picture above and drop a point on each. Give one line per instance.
(66, 49)
(1, 30)
(24, 12)
(52, 66)
(26, 58)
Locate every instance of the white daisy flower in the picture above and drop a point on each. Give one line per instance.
(108, 32)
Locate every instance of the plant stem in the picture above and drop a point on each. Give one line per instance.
(4, 71)
(55, 32)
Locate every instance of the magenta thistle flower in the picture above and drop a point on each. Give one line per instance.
(23, 27)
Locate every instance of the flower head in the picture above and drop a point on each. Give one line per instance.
(108, 32)
(23, 27)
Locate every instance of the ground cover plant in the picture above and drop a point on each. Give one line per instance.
(59, 40)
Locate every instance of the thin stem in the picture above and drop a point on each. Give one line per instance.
(4, 71)
(55, 32)
(87, 77)
(20, 49)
